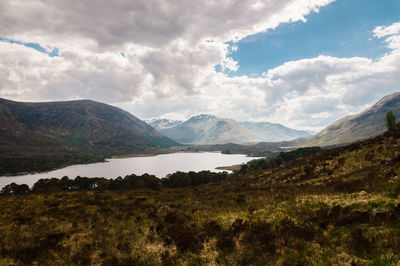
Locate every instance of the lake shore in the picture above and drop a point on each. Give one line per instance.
(233, 168)
(159, 165)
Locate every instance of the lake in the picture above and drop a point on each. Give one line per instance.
(159, 165)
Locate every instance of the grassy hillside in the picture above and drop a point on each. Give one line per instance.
(338, 206)
(366, 124)
(42, 136)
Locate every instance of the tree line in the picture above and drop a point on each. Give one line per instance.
(145, 181)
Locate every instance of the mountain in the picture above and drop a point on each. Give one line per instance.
(273, 132)
(366, 124)
(209, 129)
(162, 123)
(75, 129)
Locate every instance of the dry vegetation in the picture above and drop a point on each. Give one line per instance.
(336, 207)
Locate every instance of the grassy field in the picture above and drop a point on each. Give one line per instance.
(337, 207)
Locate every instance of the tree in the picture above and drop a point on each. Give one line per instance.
(390, 120)
(14, 189)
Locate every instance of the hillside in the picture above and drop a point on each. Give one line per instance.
(337, 207)
(366, 124)
(209, 129)
(260, 149)
(71, 130)
(273, 132)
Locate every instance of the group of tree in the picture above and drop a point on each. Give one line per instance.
(145, 181)
(46, 162)
(277, 160)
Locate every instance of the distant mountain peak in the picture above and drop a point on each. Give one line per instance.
(274, 132)
(211, 129)
(163, 123)
(202, 117)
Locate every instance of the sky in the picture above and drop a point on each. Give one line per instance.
(301, 63)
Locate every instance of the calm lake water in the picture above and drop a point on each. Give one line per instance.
(159, 165)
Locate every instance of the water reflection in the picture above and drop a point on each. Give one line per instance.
(159, 165)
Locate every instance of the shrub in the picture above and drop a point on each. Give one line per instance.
(240, 198)
(14, 189)
(390, 120)
(395, 188)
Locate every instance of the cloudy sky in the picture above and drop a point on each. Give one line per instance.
(302, 63)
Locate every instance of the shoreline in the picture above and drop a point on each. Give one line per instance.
(233, 168)
(105, 160)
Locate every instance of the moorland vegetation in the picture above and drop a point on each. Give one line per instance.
(336, 206)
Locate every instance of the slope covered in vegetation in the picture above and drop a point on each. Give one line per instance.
(337, 206)
(367, 124)
(44, 136)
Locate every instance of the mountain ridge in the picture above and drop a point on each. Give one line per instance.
(248, 132)
(206, 129)
(77, 130)
(366, 124)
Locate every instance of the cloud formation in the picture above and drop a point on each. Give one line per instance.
(171, 49)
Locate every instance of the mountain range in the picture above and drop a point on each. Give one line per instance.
(210, 129)
(274, 132)
(43, 136)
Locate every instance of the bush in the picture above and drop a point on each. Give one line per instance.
(395, 188)
(277, 160)
(14, 189)
(240, 198)
(359, 243)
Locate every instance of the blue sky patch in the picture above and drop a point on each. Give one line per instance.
(341, 29)
(35, 46)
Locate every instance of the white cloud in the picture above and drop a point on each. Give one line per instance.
(152, 23)
(32, 75)
(384, 31)
(171, 49)
(309, 93)
(229, 64)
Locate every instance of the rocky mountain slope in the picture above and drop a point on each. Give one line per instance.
(162, 123)
(366, 124)
(272, 132)
(209, 129)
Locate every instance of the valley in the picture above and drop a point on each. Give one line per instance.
(168, 133)
(38, 137)
(338, 204)
(335, 206)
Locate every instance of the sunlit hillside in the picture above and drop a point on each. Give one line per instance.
(338, 206)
